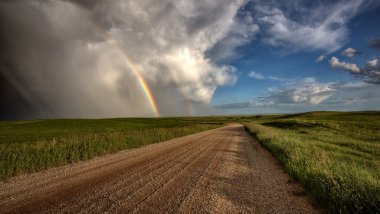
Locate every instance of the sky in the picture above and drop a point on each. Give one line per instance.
(151, 58)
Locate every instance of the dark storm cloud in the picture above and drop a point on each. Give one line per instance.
(16, 103)
(13, 105)
(375, 43)
(88, 4)
(44, 67)
(67, 58)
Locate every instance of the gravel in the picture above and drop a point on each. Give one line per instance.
(217, 171)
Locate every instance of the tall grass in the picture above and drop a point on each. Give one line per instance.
(338, 161)
(68, 145)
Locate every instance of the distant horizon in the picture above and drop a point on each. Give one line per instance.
(163, 117)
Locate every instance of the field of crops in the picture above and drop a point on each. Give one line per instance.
(29, 146)
(335, 156)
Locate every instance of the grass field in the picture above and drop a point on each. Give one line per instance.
(335, 156)
(29, 146)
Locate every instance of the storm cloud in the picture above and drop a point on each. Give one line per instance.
(375, 43)
(66, 58)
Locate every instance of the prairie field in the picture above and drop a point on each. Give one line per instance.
(335, 156)
(29, 146)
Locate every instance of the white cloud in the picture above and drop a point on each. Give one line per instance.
(350, 67)
(372, 63)
(257, 76)
(309, 94)
(241, 32)
(320, 58)
(370, 72)
(174, 39)
(322, 27)
(307, 90)
(260, 76)
(350, 52)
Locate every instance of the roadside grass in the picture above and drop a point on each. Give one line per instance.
(30, 146)
(335, 156)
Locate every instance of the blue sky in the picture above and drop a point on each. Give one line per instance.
(272, 65)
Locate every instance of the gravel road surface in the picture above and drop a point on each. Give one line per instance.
(217, 171)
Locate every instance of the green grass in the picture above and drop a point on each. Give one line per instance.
(335, 156)
(29, 146)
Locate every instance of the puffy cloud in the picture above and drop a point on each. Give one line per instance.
(316, 26)
(350, 67)
(350, 52)
(309, 94)
(76, 58)
(306, 91)
(373, 64)
(320, 58)
(370, 72)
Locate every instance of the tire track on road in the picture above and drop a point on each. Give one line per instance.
(129, 180)
(218, 171)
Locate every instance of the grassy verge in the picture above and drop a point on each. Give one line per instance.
(336, 156)
(29, 146)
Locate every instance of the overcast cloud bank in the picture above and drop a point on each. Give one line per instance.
(68, 58)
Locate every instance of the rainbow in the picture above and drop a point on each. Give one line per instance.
(143, 84)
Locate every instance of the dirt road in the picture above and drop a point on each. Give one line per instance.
(218, 171)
